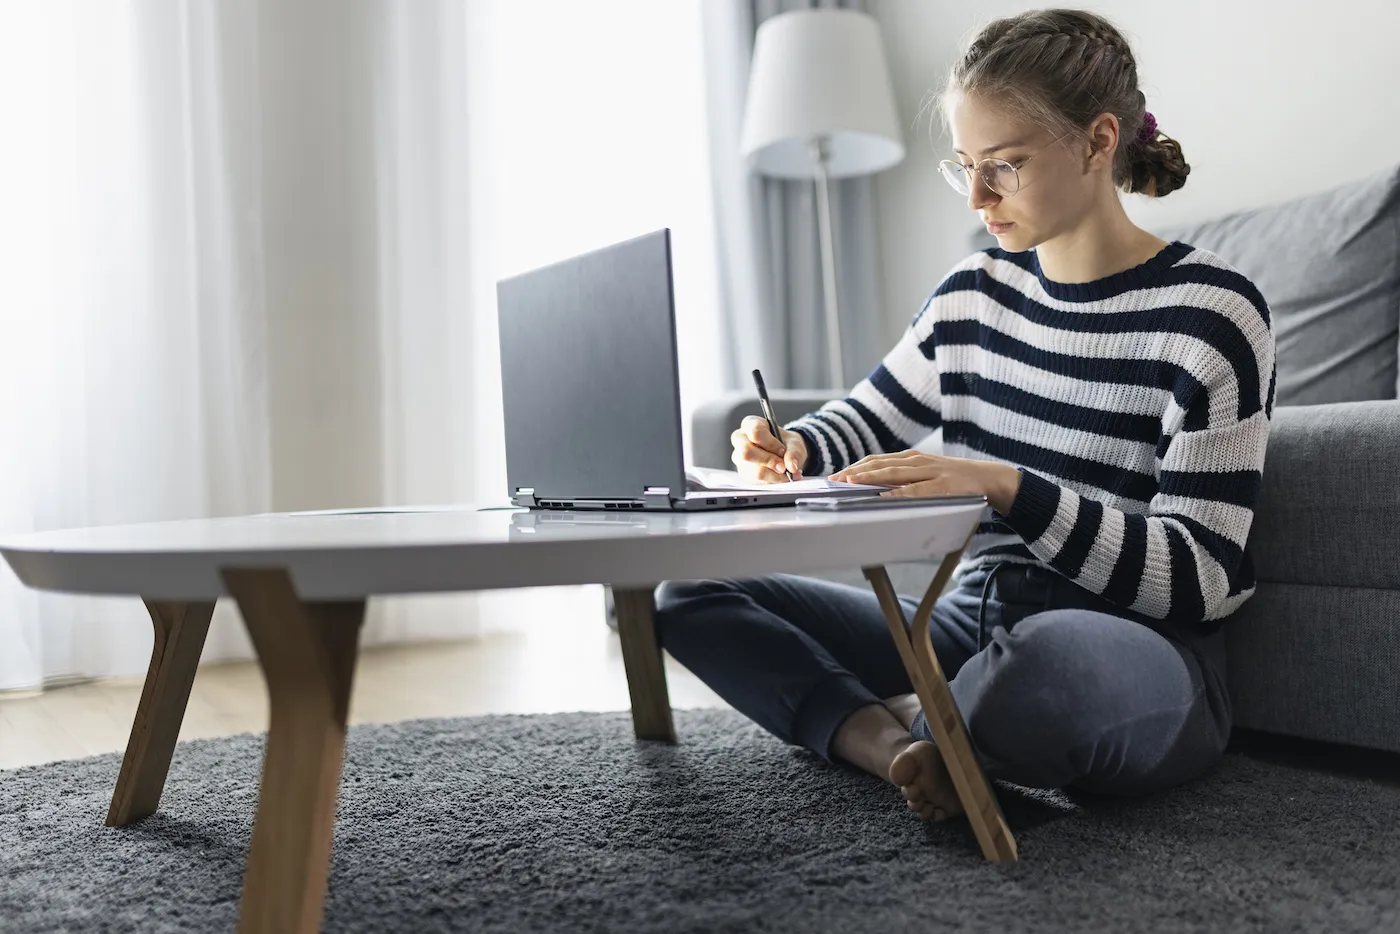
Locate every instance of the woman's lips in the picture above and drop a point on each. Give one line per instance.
(996, 228)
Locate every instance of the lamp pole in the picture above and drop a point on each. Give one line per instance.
(820, 149)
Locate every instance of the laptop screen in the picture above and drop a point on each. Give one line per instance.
(588, 374)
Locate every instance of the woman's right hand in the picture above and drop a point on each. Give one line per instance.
(761, 458)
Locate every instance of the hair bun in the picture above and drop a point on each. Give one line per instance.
(1157, 166)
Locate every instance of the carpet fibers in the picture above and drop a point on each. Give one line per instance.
(564, 823)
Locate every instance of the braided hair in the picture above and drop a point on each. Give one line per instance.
(1061, 69)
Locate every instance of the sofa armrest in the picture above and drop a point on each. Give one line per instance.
(715, 421)
(1329, 504)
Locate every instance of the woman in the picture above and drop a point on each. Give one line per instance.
(1110, 394)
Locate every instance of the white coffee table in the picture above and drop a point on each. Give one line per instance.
(301, 582)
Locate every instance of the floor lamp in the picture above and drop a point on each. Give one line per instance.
(820, 106)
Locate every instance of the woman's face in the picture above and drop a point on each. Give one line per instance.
(1056, 188)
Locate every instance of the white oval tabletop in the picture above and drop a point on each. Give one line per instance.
(349, 554)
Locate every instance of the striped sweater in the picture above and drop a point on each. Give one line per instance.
(1136, 408)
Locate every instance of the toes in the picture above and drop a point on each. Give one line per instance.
(929, 811)
(923, 809)
(904, 769)
(926, 784)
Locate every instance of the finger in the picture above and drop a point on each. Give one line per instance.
(756, 473)
(853, 474)
(891, 456)
(748, 460)
(791, 461)
(867, 461)
(892, 476)
(751, 454)
(747, 469)
(873, 462)
(772, 476)
(756, 429)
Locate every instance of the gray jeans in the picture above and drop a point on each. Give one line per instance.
(1057, 687)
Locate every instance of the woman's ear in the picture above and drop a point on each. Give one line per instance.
(1103, 140)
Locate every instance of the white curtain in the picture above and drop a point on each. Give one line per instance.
(251, 254)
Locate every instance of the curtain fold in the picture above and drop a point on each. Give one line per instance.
(770, 263)
(240, 286)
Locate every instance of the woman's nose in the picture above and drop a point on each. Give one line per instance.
(981, 194)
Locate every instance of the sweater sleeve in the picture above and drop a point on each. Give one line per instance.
(1184, 558)
(892, 409)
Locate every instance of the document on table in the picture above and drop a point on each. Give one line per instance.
(706, 479)
(379, 510)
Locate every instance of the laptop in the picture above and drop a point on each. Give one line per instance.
(591, 393)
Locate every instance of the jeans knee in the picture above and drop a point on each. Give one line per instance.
(1076, 696)
(681, 620)
(1033, 687)
(1045, 646)
(671, 595)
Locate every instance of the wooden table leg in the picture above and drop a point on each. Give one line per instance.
(641, 656)
(944, 719)
(307, 652)
(180, 632)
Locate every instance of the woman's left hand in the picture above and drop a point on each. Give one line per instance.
(914, 473)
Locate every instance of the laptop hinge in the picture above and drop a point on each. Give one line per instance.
(524, 496)
(657, 497)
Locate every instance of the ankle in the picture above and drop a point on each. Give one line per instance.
(905, 708)
(895, 750)
(870, 739)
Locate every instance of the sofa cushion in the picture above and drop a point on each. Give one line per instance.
(1317, 662)
(1328, 264)
(1329, 505)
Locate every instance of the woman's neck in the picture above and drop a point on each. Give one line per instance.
(1103, 243)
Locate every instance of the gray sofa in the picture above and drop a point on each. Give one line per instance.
(1316, 652)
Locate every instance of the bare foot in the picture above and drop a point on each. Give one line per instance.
(920, 773)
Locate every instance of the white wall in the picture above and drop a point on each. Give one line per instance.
(1269, 99)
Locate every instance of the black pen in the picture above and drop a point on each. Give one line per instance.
(768, 414)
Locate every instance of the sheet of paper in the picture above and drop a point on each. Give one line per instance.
(378, 510)
(703, 479)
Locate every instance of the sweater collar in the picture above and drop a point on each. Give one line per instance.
(1140, 276)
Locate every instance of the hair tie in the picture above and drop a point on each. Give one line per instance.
(1148, 128)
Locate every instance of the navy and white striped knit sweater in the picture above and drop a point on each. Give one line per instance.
(1136, 406)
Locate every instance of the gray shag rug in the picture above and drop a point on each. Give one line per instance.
(565, 823)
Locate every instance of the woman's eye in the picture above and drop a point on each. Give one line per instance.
(1006, 168)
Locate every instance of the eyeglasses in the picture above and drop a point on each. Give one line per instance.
(997, 174)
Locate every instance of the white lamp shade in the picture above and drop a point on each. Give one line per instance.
(820, 73)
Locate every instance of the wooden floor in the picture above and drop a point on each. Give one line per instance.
(545, 666)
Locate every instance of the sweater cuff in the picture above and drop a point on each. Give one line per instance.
(1036, 503)
(814, 451)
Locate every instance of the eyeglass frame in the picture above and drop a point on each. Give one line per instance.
(967, 170)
